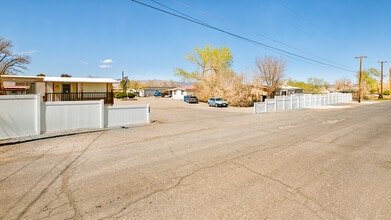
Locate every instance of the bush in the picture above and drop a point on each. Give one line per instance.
(387, 92)
(121, 95)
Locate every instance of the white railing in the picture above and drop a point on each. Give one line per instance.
(282, 103)
(26, 115)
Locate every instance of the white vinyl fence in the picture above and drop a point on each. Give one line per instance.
(282, 103)
(19, 116)
(26, 115)
(125, 115)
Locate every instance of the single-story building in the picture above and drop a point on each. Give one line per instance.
(181, 92)
(288, 90)
(150, 90)
(60, 88)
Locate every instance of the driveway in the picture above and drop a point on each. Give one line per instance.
(196, 162)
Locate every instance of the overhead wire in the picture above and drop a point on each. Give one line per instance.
(263, 45)
(305, 32)
(263, 35)
(257, 33)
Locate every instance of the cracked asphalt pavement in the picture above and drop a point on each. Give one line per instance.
(196, 162)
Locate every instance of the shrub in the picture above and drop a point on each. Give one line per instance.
(387, 92)
(121, 95)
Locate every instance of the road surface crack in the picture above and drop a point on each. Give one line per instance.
(44, 190)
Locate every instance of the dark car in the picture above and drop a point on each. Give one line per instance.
(192, 99)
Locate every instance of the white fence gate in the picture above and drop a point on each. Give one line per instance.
(26, 115)
(282, 103)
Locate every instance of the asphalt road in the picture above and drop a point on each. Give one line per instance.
(195, 162)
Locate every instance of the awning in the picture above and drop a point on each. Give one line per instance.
(16, 88)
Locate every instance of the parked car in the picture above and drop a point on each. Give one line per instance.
(192, 99)
(157, 94)
(217, 102)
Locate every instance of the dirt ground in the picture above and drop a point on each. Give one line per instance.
(198, 162)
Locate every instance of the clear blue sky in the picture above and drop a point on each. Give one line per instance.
(102, 38)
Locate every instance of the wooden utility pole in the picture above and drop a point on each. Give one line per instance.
(359, 78)
(381, 78)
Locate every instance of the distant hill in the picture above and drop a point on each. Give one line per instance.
(160, 83)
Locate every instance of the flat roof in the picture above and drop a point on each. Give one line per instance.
(78, 79)
(59, 79)
(16, 88)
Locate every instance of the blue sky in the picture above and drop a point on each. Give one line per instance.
(103, 38)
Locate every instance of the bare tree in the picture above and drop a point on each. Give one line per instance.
(270, 72)
(9, 62)
(343, 84)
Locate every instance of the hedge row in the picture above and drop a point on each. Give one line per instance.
(121, 95)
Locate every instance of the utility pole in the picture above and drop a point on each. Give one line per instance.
(381, 78)
(359, 78)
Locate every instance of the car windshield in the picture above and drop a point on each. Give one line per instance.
(219, 99)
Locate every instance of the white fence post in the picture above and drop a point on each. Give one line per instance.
(102, 113)
(149, 113)
(266, 104)
(298, 101)
(38, 114)
(303, 101)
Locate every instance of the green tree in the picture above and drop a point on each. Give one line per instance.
(213, 76)
(312, 86)
(209, 60)
(369, 81)
(124, 84)
(300, 84)
(10, 63)
(317, 85)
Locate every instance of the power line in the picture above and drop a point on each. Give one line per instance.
(259, 34)
(280, 51)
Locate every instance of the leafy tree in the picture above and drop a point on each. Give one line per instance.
(369, 81)
(209, 61)
(10, 63)
(300, 84)
(214, 75)
(270, 72)
(124, 83)
(317, 85)
(41, 74)
(65, 75)
(312, 86)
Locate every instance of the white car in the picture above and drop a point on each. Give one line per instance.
(217, 102)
